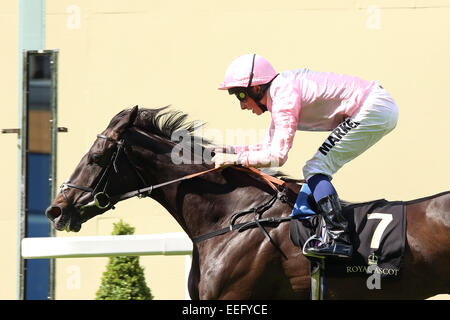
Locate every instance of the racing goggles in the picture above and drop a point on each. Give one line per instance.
(240, 93)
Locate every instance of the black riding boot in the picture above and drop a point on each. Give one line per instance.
(338, 243)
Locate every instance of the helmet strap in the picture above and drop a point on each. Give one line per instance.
(251, 72)
(258, 97)
(261, 106)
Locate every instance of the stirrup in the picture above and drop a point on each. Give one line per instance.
(308, 254)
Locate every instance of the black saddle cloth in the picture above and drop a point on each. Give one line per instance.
(378, 234)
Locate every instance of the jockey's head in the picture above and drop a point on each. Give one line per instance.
(248, 77)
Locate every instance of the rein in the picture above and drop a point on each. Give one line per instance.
(140, 193)
(102, 200)
(271, 181)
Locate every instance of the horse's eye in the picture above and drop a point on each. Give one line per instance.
(95, 158)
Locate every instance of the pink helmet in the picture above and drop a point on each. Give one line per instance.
(248, 70)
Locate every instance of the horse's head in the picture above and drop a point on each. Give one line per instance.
(137, 147)
(102, 172)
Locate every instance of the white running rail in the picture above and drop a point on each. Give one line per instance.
(177, 243)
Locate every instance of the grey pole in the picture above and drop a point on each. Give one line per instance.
(31, 37)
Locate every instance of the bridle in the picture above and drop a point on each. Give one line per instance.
(101, 198)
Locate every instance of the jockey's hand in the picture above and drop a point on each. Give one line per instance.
(224, 159)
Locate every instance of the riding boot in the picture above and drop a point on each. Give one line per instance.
(338, 243)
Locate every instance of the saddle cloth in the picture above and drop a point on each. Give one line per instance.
(378, 234)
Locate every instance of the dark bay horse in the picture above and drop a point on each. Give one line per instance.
(136, 151)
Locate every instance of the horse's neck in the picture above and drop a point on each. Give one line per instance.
(203, 203)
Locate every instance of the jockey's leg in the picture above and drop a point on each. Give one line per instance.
(339, 243)
(377, 117)
(301, 207)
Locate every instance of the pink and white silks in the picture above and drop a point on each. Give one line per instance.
(357, 111)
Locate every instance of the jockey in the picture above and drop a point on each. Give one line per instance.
(357, 112)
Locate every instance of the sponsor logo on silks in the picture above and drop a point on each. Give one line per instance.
(337, 134)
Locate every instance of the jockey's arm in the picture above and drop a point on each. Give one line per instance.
(274, 153)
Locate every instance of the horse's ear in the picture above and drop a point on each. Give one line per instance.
(125, 122)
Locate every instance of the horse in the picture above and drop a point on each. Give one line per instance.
(134, 156)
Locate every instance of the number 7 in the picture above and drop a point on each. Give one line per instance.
(386, 218)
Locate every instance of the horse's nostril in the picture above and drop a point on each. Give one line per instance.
(53, 212)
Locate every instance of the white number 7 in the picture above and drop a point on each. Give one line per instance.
(386, 218)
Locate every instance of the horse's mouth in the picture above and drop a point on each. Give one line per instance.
(71, 218)
(62, 219)
(73, 226)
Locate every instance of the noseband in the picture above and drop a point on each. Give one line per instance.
(101, 199)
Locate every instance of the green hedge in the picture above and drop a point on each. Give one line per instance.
(124, 277)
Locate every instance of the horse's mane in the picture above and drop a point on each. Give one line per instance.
(164, 123)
